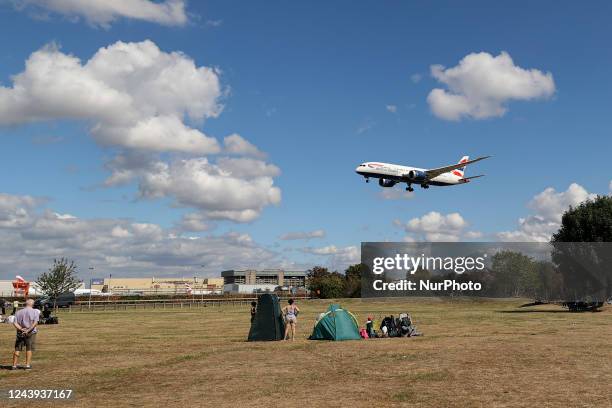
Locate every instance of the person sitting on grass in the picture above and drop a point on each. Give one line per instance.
(370, 327)
(26, 321)
(290, 312)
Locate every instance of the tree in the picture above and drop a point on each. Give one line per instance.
(585, 267)
(591, 221)
(515, 274)
(314, 278)
(352, 275)
(60, 278)
(325, 284)
(333, 286)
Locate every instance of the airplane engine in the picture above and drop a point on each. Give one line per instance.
(386, 183)
(416, 175)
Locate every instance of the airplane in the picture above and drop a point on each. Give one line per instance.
(389, 175)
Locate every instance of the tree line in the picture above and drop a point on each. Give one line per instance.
(513, 274)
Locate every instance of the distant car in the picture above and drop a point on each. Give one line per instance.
(63, 300)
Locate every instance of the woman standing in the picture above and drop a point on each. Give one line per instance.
(290, 312)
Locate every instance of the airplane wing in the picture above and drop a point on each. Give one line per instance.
(441, 170)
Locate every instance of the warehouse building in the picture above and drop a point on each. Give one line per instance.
(159, 286)
(251, 281)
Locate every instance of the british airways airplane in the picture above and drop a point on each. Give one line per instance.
(389, 175)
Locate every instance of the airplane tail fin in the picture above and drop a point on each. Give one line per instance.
(461, 171)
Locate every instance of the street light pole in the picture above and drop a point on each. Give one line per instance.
(91, 268)
(202, 291)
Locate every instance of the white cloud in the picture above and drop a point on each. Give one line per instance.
(416, 78)
(15, 210)
(338, 258)
(610, 187)
(31, 237)
(104, 12)
(236, 144)
(319, 233)
(142, 101)
(551, 205)
(212, 188)
(133, 94)
(247, 168)
(391, 108)
(548, 207)
(481, 85)
(194, 222)
(473, 235)
(434, 226)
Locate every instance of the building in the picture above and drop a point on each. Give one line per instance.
(250, 281)
(6, 288)
(159, 286)
(248, 289)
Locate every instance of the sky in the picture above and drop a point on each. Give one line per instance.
(181, 138)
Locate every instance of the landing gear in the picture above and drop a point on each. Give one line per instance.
(409, 188)
(367, 180)
(424, 185)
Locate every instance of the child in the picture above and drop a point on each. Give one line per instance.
(253, 310)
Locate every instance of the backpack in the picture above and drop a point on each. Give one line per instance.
(363, 333)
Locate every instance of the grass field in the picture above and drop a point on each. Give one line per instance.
(474, 353)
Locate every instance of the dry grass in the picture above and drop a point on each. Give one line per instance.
(474, 354)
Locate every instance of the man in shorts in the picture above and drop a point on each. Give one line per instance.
(26, 321)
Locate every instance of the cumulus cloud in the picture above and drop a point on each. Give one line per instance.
(104, 12)
(481, 85)
(142, 102)
(247, 168)
(416, 78)
(133, 94)
(194, 222)
(337, 258)
(391, 108)
(319, 233)
(223, 192)
(30, 237)
(236, 144)
(548, 207)
(14, 210)
(434, 226)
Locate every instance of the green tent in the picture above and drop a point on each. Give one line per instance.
(336, 324)
(268, 324)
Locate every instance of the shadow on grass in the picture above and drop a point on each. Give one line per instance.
(533, 311)
(8, 367)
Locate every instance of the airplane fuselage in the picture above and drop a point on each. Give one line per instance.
(400, 174)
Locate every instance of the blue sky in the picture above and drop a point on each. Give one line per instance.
(310, 85)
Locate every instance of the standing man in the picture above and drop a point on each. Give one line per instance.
(15, 307)
(26, 321)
